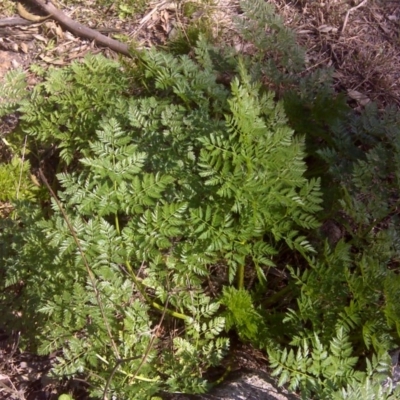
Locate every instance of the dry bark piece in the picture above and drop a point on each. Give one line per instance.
(24, 13)
(80, 30)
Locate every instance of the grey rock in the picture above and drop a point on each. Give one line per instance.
(251, 385)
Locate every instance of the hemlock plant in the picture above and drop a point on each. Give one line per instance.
(175, 197)
(179, 183)
(193, 174)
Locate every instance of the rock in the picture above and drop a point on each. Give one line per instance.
(250, 385)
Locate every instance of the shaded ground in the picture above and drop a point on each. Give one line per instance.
(361, 41)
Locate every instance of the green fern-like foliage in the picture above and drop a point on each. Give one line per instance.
(184, 175)
(372, 147)
(371, 216)
(278, 56)
(69, 103)
(13, 90)
(336, 299)
(369, 389)
(352, 285)
(323, 370)
(242, 315)
(16, 182)
(167, 178)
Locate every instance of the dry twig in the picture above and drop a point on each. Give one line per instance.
(348, 13)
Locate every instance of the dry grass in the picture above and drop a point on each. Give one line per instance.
(364, 48)
(359, 40)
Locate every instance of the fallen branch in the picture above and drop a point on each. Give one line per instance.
(80, 30)
(14, 21)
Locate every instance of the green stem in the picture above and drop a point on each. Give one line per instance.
(116, 215)
(275, 297)
(224, 375)
(240, 277)
(152, 303)
(139, 285)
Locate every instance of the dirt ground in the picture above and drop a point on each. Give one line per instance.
(360, 40)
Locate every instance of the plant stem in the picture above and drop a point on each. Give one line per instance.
(240, 277)
(275, 297)
(152, 303)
